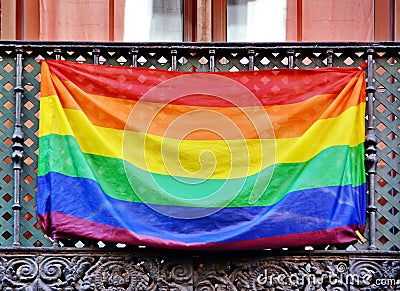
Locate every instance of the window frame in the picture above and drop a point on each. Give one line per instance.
(203, 20)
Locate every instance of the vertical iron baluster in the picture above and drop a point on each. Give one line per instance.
(57, 55)
(212, 60)
(96, 57)
(174, 53)
(96, 54)
(290, 58)
(251, 54)
(370, 149)
(329, 57)
(18, 146)
(134, 53)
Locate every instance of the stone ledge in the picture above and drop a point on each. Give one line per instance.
(147, 269)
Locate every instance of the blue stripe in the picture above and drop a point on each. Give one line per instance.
(300, 211)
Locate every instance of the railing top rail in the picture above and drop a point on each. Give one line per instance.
(203, 45)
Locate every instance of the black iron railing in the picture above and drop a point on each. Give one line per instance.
(20, 86)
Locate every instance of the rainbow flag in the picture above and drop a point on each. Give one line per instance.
(211, 161)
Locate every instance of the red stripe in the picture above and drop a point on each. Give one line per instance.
(270, 87)
(104, 232)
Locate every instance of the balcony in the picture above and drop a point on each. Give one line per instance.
(32, 261)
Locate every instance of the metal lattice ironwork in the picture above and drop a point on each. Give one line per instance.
(7, 65)
(387, 79)
(192, 57)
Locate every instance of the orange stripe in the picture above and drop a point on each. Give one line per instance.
(46, 82)
(243, 88)
(210, 123)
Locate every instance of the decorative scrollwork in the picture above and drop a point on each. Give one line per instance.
(181, 273)
(115, 276)
(366, 271)
(376, 274)
(122, 272)
(174, 276)
(77, 269)
(52, 270)
(176, 273)
(240, 277)
(390, 269)
(18, 272)
(22, 270)
(215, 280)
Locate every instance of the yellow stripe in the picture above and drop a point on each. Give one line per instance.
(212, 159)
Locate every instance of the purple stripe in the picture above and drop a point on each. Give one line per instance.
(104, 232)
(310, 210)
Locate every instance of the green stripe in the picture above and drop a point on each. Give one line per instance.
(335, 166)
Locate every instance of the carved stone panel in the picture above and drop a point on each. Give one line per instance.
(52, 269)
(88, 271)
